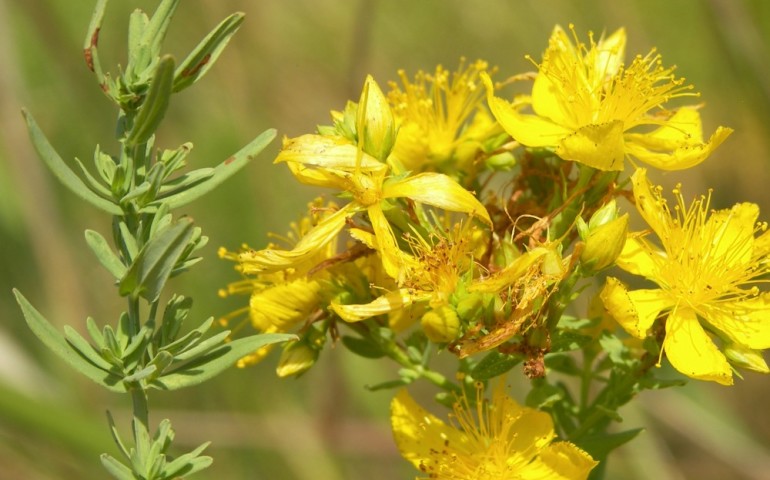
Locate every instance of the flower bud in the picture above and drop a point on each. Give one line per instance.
(375, 124)
(604, 236)
(746, 358)
(470, 306)
(296, 358)
(441, 324)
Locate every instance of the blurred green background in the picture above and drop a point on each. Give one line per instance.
(290, 64)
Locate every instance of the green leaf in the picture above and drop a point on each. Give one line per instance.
(203, 346)
(223, 171)
(140, 374)
(362, 347)
(128, 240)
(104, 254)
(174, 159)
(62, 172)
(188, 463)
(86, 349)
(116, 469)
(616, 350)
(152, 266)
(388, 385)
(138, 52)
(161, 361)
(155, 104)
(186, 181)
(562, 362)
(92, 39)
(56, 343)
(206, 53)
(493, 365)
(213, 363)
(95, 185)
(158, 26)
(105, 165)
(93, 330)
(116, 436)
(568, 340)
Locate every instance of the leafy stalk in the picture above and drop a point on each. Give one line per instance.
(139, 187)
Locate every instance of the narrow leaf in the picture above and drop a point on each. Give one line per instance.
(205, 54)
(141, 374)
(116, 436)
(96, 186)
(223, 171)
(203, 346)
(86, 350)
(61, 171)
(152, 266)
(93, 330)
(362, 347)
(104, 254)
(215, 362)
(56, 343)
(185, 464)
(493, 365)
(155, 103)
(158, 26)
(92, 40)
(116, 469)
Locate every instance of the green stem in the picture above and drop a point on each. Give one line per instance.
(586, 377)
(613, 397)
(396, 353)
(141, 422)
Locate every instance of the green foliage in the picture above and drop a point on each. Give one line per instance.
(138, 187)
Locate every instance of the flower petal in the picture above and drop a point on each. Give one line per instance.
(395, 261)
(561, 460)
(438, 190)
(510, 274)
(731, 233)
(419, 435)
(328, 152)
(648, 203)
(597, 145)
(636, 310)
(691, 351)
(390, 302)
(745, 323)
(529, 130)
(273, 259)
(678, 144)
(639, 258)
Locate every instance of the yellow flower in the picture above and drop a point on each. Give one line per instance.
(337, 162)
(441, 117)
(587, 105)
(707, 272)
(279, 301)
(430, 274)
(501, 441)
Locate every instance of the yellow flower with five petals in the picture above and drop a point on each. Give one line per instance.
(588, 106)
(707, 272)
(498, 440)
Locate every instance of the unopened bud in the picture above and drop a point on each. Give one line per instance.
(470, 306)
(375, 123)
(296, 358)
(441, 325)
(604, 241)
(746, 358)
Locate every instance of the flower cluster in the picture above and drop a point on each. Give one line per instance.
(468, 222)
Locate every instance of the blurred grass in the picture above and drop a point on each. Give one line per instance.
(290, 64)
